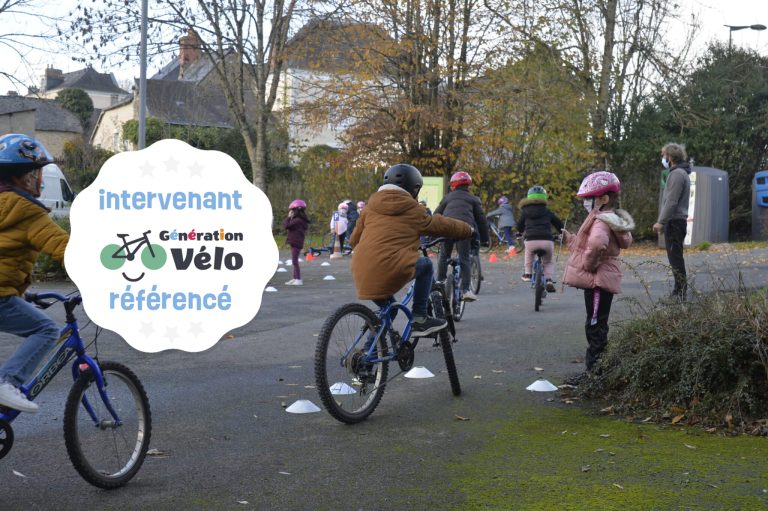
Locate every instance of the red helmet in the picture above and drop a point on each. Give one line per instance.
(460, 179)
(599, 183)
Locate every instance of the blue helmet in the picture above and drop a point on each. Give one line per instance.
(20, 154)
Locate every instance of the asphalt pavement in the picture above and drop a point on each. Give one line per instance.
(223, 439)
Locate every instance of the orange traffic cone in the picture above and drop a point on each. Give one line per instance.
(492, 259)
(512, 252)
(309, 257)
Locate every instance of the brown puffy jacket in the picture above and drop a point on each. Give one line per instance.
(25, 231)
(386, 241)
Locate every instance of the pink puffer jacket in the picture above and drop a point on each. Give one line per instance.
(594, 260)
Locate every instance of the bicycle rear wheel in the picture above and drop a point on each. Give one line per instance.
(452, 291)
(477, 273)
(438, 310)
(104, 453)
(349, 388)
(538, 275)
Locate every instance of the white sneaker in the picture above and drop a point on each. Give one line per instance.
(294, 282)
(290, 282)
(469, 296)
(12, 397)
(336, 255)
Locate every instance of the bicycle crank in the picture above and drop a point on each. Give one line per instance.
(6, 438)
(405, 356)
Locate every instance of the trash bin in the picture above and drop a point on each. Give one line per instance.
(760, 206)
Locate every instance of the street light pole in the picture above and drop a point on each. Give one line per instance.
(732, 28)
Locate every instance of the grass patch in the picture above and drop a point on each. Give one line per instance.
(561, 459)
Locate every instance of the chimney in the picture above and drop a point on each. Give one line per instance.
(12, 93)
(53, 78)
(189, 50)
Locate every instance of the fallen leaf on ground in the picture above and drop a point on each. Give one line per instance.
(605, 435)
(647, 419)
(620, 487)
(460, 418)
(538, 368)
(478, 377)
(690, 446)
(678, 418)
(497, 371)
(230, 336)
(284, 473)
(294, 367)
(243, 502)
(607, 410)
(157, 453)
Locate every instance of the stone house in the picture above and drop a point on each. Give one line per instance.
(101, 87)
(43, 119)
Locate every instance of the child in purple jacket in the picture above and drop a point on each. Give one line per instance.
(296, 224)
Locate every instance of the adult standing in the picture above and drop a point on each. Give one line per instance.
(673, 218)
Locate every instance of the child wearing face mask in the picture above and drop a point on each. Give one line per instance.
(593, 264)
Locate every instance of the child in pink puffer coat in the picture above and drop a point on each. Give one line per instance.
(594, 261)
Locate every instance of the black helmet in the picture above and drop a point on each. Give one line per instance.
(406, 177)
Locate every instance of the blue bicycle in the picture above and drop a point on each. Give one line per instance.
(356, 345)
(107, 421)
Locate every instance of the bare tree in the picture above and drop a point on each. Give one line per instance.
(244, 41)
(617, 48)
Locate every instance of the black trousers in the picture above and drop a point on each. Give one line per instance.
(597, 334)
(674, 235)
(463, 248)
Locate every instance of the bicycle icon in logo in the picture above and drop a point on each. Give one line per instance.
(153, 256)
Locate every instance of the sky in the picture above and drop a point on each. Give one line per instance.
(713, 15)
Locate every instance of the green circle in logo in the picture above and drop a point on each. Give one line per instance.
(153, 257)
(112, 257)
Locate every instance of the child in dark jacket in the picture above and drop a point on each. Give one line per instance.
(535, 224)
(296, 223)
(461, 205)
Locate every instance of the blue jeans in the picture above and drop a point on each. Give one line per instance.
(25, 320)
(423, 286)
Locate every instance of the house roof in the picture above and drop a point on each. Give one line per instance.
(183, 103)
(333, 45)
(195, 72)
(49, 115)
(90, 79)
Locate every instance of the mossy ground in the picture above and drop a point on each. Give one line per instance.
(565, 459)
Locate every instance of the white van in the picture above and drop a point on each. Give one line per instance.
(56, 193)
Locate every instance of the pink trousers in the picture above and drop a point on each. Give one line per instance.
(549, 248)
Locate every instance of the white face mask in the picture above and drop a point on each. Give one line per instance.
(665, 162)
(589, 204)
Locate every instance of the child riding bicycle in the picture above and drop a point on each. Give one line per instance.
(535, 224)
(25, 231)
(462, 205)
(386, 242)
(506, 218)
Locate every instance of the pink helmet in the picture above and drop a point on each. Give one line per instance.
(343, 205)
(599, 183)
(297, 203)
(502, 200)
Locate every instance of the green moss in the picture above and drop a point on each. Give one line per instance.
(555, 459)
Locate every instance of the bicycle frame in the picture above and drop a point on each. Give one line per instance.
(71, 346)
(131, 254)
(385, 315)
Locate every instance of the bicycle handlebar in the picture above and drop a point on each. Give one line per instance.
(39, 299)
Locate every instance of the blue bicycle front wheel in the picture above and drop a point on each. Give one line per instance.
(107, 453)
(350, 386)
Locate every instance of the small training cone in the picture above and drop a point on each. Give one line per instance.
(329, 277)
(342, 389)
(512, 252)
(325, 263)
(419, 372)
(541, 385)
(281, 270)
(289, 263)
(493, 258)
(310, 257)
(303, 406)
(271, 289)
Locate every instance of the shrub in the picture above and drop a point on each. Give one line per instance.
(705, 361)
